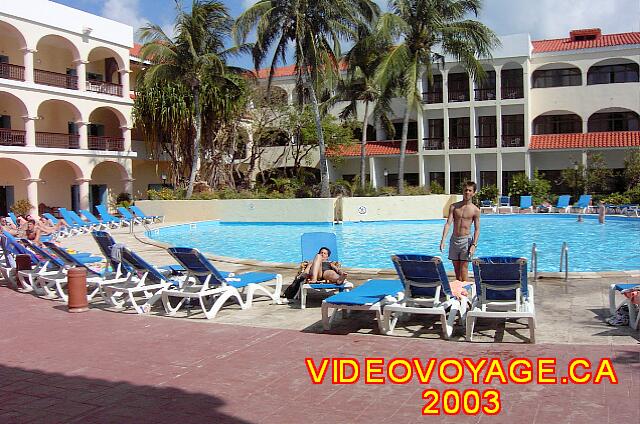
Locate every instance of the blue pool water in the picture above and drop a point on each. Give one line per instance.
(592, 247)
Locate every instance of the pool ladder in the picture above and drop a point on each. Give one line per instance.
(564, 260)
(534, 261)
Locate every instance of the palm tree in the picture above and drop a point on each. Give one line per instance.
(360, 86)
(196, 54)
(314, 29)
(428, 31)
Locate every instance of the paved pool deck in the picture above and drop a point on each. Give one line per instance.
(106, 366)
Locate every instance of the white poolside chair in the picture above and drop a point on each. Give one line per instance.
(504, 205)
(372, 296)
(426, 291)
(501, 292)
(487, 206)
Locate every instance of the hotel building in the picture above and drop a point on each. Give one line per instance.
(67, 80)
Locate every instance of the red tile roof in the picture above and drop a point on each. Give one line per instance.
(606, 40)
(376, 148)
(135, 50)
(593, 140)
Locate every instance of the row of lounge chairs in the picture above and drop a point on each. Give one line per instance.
(129, 280)
(583, 205)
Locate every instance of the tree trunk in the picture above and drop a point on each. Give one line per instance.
(363, 148)
(195, 164)
(324, 170)
(403, 149)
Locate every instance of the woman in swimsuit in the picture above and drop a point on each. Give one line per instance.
(33, 232)
(322, 269)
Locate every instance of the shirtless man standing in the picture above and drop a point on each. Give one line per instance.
(461, 246)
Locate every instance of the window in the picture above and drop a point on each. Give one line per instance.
(72, 128)
(614, 121)
(412, 133)
(557, 78)
(434, 90)
(557, 124)
(411, 179)
(512, 124)
(511, 77)
(349, 177)
(507, 177)
(488, 178)
(458, 179)
(459, 128)
(458, 87)
(96, 130)
(5, 122)
(94, 77)
(436, 128)
(437, 177)
(611, 74)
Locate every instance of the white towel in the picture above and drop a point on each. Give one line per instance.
(116, 252)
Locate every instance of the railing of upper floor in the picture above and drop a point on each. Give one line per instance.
(10, 137)
(486, 141)
(106, 143)
(460, 142)
(433, 143)
(55, 79)
(482, 94)
(10, 71)
(57, 140)
(104, 87)
(513, 140)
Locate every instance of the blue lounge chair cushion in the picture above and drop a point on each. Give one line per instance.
(624, 286)
(367, 294)
(501, 271)
(247, 278)
(421, 274)
(525, 202)
(321, 286)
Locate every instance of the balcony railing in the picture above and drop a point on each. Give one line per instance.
(106, 143)
(434, 143)
(482, 94)
(55, 79)
(104, 87)
(513, 141)
(431, 97)
(12, 137)
(512, 92)
(9, 71)
(61, 141)
(459, 143)
(485, 141)
(458, 96)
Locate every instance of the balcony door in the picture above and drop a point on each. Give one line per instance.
(75, 197)
(6, 199)
(98, 196)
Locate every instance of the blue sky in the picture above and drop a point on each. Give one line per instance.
(540, 18)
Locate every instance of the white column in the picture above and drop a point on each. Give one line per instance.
(585, 160)
(447, 174)
(28, 64)
(83, 133)
(422, 173)
(420, 123)
(527, 165)
(474, 169)
(128, 186)
(499, 172)
(126, 134)
(498, 71)
(527, 105)
(373, 174)
(81, 70)
(124, 80)
(83, 191)
(381, 134)
(32, 194)
(445, 87)
(30, 130)
(472, 127)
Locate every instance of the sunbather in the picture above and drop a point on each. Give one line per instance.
(322, 269)
(33, 232)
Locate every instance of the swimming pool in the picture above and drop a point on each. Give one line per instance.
(592, 247)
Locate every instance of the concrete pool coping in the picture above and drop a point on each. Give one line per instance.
(386, 272)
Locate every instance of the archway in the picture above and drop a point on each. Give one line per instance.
(55, 62)
(557, 122)
(556, 75)
(102, 71)
(59, 185)
(56, 125)
(105, 131)
(108, 183)
(613, 70)
(13, 185)
(613, 119)
(12, 111)
(12, 44)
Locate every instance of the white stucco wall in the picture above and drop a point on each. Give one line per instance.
(400, 208)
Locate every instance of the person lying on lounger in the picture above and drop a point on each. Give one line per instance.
(322, 269)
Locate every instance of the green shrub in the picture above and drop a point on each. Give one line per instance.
(616, 199)
(21, 207)
(633, 194)
(436, 188)
(415, 191)
(387, 191)
(537, 187)
(166, 193)
(488, 192)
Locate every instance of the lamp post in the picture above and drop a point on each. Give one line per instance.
(386, 177)
(164, 179)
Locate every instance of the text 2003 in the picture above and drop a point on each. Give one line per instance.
(469, 402)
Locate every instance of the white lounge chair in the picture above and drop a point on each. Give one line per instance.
(426, 291)
(504, 205)
(501, 292)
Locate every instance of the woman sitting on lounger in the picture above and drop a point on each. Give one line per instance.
(322, 269)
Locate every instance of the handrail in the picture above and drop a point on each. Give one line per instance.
(534, 261)
(564, 258)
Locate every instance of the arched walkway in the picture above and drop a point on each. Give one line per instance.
(57, 125)
(12, 123)
(12, 45)
(59, 184)
(55, 62)
(108, 130)
(108, 181)
(14, 181)
(103, 72)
